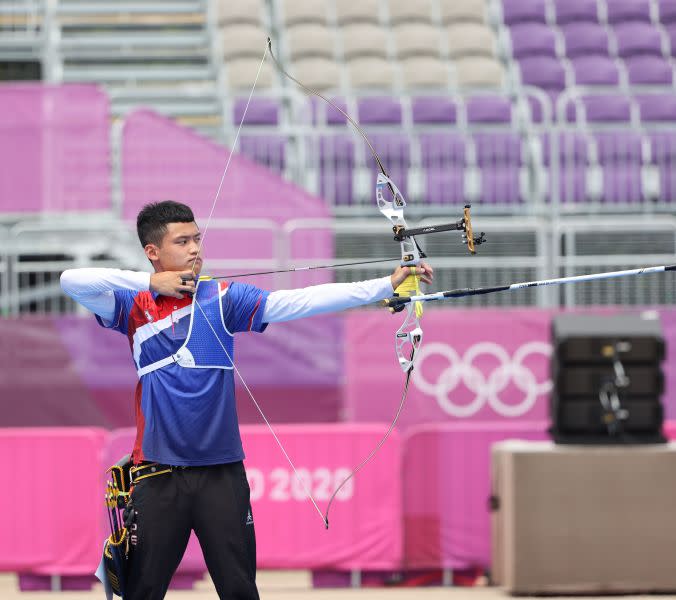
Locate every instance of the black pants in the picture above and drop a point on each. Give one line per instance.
(214, 502)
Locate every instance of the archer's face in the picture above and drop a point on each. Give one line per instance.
(178, 250)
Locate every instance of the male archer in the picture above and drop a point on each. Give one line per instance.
(187, 427)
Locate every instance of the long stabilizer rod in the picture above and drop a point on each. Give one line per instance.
(398, 302)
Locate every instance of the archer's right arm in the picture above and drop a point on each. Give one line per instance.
(94, 288)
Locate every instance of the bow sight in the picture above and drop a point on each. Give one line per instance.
(464, 225)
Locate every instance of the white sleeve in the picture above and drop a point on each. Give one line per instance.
(286, 305)
(93, 288)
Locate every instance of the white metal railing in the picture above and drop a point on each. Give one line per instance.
(34, 254)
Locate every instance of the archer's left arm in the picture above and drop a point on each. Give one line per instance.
(287, 305)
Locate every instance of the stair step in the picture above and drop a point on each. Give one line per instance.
(125, 72)
(130, 40)
(80, 7)
(204, 107)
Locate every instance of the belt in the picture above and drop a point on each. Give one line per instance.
(145, 470)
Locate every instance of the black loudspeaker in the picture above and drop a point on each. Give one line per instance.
(608, 380)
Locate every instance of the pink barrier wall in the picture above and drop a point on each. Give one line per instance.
(365, 521)
(474, 365)
(52, 519)
(49, 511)
(446, 472)
(435, 515)
(55, 143)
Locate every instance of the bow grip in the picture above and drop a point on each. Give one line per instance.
(410, 287)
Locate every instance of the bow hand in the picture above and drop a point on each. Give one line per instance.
(422, 271)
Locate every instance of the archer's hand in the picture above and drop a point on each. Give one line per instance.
(173, 283)
(422, 269)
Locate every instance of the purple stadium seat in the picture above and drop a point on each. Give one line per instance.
(536, 109)
(617, 147)
(443, 158)
(649, 70)
(620, 157)
(445, 186)
(602, 109)
(494, 148)
(532, 39)
(573, 148)
(573, 153)
(663, 145)
(500, 185)
(543, 72)
(379, 110)
(499, 158)
(584, 39)
(266, 150)
(336, 160)
(394, 150)
(433, 109)
(628, 10)
(657, 108)
(571, 11)
(523, 11)
(667, 11)
(638, 38)
(670, 28)
(320, 110)
(439, 150)
(595, 70)
(488, 109)
(621, 183)
(261, 111)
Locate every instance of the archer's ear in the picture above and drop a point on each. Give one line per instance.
(152, 252)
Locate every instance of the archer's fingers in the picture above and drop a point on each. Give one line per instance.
(426, 268)
(425, 273)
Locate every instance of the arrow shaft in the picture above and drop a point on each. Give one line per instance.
(464, 292)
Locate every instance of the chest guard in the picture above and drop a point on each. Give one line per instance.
(209, 344)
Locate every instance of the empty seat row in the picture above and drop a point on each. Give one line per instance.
(561, 12)
(554, 75)
(372, 73)
(575, 39)
(342, 12)
(401, 41)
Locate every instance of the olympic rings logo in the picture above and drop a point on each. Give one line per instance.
(486, 388)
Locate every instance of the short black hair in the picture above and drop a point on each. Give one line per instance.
(152, 220)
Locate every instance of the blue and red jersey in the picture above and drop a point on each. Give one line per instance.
(184, 416)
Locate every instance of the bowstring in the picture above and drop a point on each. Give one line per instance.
(227, 164)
